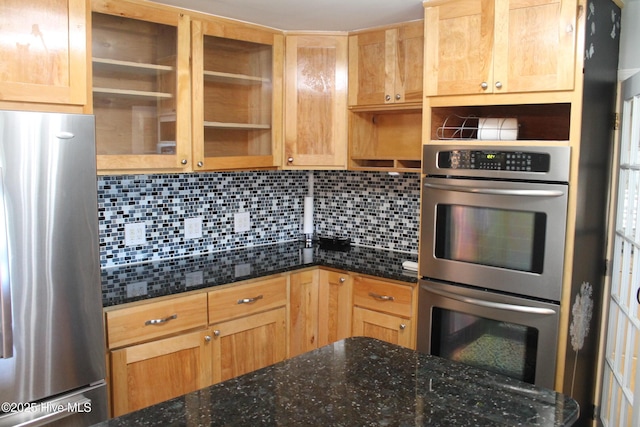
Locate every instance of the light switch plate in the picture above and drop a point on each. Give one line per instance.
(135, 234)
(242, 270)
(193, 228)
(242, 222)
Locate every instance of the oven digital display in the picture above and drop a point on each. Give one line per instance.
(514, 161)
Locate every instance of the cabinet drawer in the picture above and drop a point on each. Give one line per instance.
(148, 321)
(247, 299)
(382, 296)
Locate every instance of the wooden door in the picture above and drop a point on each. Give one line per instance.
(43, 51)
(334, 307)
(248, 343)
(141, 99)
(459, 47)
(149, 373)
(621, 382)
(408, 63)
(303, 312)
(367, 74)
(535, 45)
(385, 327)
(316, 101)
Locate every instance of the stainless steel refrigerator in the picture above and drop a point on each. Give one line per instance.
(52, 355)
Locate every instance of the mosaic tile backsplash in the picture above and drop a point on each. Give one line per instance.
(374, 209)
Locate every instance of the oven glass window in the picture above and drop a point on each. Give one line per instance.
(495, 237)
(501, 347)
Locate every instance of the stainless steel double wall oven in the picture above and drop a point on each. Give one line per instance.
(492, 242)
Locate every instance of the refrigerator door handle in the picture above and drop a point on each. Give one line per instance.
(6, 325)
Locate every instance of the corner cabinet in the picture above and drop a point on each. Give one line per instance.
(140, 62)
(385, 65)
(43, 52)
(488, 46)
(236, 95)
(315, 106)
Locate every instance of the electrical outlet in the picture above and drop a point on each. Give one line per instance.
(137, 289)
(242, 222)
(193, 228)
(135, 234)
(194, 278)
(242, 270)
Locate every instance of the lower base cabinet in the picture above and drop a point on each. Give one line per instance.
(385, 327)
(248, 343)
(149, 373)
(165, 348)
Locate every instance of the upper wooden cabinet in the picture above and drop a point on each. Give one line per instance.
(43, 52)
(490, 46)
(386, 65)
(236, 94)
(140, 58)
(315, 101)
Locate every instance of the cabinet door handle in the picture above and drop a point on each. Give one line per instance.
(398, 97)
(200, 164)
(290, 160)
(499, 85)
(160, 321)
(249, 300)
(184, 161)
(381, 297)
(484, 85)
(207, 338)
(402, 326)
(342, 280)
(216, 333)
(387, 98)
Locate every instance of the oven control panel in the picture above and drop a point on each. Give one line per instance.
(516, 161)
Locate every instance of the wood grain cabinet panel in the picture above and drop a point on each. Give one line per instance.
(144, 322)
(386, 65)
(315, 101)
(382, 326)
(43, 51)
(303, 312)
(149, 373)
(488, 46)
(334, 306)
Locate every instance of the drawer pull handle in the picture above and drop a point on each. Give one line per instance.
(381, 297)
(160, 321)
(249, 300)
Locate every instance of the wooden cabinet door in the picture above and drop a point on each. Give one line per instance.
(487, 46)
(367, 74)
(141, 99)
(149, 373)
(248, 343)
(459, 47)
(303, 312)
(315, 101)
(236, 77)
(334, 307)
(385, 327)
(43, 51)
(536, 51)
(408, 62)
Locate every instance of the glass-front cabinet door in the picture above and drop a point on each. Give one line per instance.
(235, 97)
(140, 60)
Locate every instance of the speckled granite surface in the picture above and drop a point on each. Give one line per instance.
(220, 268)
(362, 382)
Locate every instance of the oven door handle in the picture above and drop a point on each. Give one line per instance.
(489, 304)
(496, 191)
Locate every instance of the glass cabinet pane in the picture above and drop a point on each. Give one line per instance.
(134, 85)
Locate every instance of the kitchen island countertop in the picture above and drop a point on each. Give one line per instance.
(363, 382)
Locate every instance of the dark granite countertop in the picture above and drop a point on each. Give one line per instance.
(121, 284)
(363, 382)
